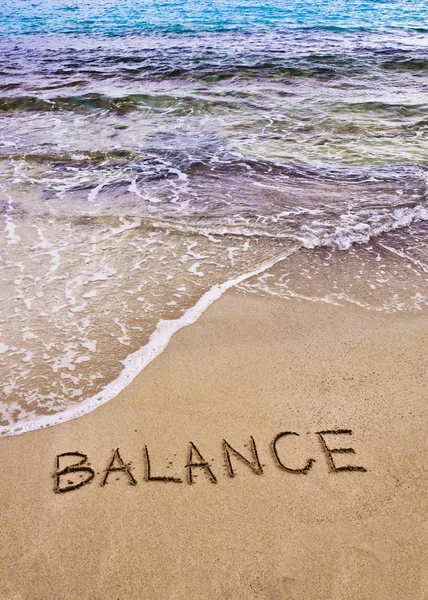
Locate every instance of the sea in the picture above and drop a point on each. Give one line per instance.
(155, 154)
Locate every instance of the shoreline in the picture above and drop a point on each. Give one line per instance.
(136, 362)
(251, 367)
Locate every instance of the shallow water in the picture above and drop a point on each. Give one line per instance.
(150, 154)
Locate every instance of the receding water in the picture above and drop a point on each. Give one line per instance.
(150, 153)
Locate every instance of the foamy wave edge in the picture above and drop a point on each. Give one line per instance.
(138, 360)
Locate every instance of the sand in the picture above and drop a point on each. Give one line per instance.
(249, 367)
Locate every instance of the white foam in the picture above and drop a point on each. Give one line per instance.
(357, 232)
(194, 269)
(138, 360)
(401, 254)
(10, 227)
(92, 196)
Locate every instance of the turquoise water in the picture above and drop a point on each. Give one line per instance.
(153, 153)
(109, 17)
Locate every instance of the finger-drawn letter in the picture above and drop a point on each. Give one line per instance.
(121, 466)
(254, 464)
(201, 464)
(76, 467)
(330, 451)
(301, 471)
(149, 476)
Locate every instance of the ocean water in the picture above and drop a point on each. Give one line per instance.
(153, 155)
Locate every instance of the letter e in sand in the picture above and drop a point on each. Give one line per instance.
(330, 451)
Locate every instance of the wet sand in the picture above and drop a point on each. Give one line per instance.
(250, 367)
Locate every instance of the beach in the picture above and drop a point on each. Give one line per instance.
(213, 300)
(144, 172)
(250, 368)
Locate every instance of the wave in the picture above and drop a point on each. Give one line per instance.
(359, 228)
(162, 156)
(175, 25)
(207, 60)
(137, 361)
(184, 105)
(401, 110)
(85, 102)
(179, 65)
(406, 64)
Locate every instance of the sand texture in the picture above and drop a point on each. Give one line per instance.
(249, 369)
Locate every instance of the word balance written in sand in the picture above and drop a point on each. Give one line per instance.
(73, 470)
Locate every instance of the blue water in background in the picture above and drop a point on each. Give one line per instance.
(112, 17)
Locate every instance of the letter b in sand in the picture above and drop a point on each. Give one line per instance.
(78, 473)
